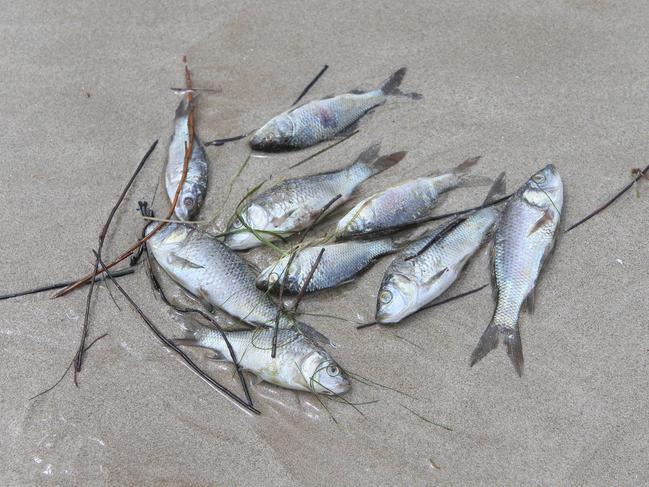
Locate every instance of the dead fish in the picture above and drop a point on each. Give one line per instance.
(194, 189)
(340, 262)
(217, 276)
(405, 203)
(320, 120)
(299, 364)
(425, 269)
(295, 204)
(523, 241)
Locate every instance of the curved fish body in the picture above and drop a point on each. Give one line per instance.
(213, 273)
(321, 120)
(295, 204)
(427, 268)
(400, 205)
(299, 364)
(194, 189)
(340, 262)
(523, 241)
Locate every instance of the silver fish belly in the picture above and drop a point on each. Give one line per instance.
(340, 262)
(194, 189)
(523, 241)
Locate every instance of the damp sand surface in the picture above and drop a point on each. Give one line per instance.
(86, 91)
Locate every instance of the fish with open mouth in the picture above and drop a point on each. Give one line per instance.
(295, 204)
(194, 188)
(405, 203)
(217, 276)
(425, 269)
(340, 262)
(321, 120)
(299, 364)
(523, 241)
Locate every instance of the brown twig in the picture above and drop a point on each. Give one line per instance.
(639, 175)
(78, 360)
(308, 280)
(172, 346)
(189, 145)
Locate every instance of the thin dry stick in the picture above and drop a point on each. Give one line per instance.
(158, 288)
(50, 287)
(308, 280)
(280, 306)
(78, 361)
(172, 346)
(188, 151)
(310, 85)
(638, 177)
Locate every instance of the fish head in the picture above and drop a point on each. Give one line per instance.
(189, 202)
(396, 299)
(274, 135)
(239, 237)
(545, 188)
(325, 376)
(273, 275)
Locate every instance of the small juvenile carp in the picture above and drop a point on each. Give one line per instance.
(523, 240)
(404, 203)
(340, 262)
(321, 120)
(295, 204)
(195, 187)
(299, 364)
(217, 276)
(425, 269)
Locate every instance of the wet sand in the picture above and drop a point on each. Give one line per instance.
(86, 91)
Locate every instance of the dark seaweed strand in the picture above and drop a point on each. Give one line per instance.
(445, 231)
(78, 361)
(310, 85)
(639, 175)
(308, 280)
(122, 272)
(158, 288)
(218, 142)
(172, 346)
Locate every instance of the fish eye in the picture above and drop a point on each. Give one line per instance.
(333, 371)
(188, 202)
(538, 178)
(273, 277)
(237, 223)
(385, 297)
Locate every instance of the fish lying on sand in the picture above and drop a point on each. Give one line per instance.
(340, 262)
(299, 364)
(295, 204)
(321, 120)
(425, 269)
(523, 241)
(195, 187)
(217, 276)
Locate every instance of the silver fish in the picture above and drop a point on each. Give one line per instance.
(425, 269)
(217, 276)
(295, 204)
(340, 262)
(299, 364)
(523, 240)
(321, 120)
(194, 189)
(404, 203)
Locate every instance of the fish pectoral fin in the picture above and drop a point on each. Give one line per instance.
(541, 222)
(436, 276)
(175, 259)
(280, 220)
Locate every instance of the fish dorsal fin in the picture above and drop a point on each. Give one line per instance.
(498, 189)
(541, 222)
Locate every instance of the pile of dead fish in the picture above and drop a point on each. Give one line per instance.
(523, 235)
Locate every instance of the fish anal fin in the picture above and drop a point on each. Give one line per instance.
(541, 222)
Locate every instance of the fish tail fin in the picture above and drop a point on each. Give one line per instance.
(498, 189)
(511, 337)
(385, 162)
(391, 85)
